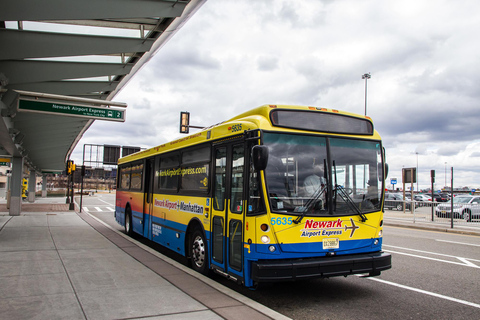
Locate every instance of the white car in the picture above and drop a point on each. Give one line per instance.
(464, 207)
(422, 197)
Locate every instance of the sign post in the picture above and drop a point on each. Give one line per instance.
(393, 181)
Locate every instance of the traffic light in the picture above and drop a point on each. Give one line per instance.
(70, 167)
(184, 122)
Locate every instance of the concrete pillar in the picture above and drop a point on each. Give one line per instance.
(32, 186)
(16, 187)
(44, 186)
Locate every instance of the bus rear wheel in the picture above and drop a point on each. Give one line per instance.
(198, 252)
(128, 222)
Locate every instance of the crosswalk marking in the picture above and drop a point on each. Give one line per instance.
(99, 209)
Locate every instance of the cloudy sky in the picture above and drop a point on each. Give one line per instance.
(234, 55)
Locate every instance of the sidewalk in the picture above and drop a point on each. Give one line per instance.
(67, 265)
(424, 222)
(59, 264)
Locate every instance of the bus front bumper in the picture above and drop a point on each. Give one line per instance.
(323, 267)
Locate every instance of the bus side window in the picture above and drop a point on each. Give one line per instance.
(219, 189)
(169, 172)
(125, 173)
(255, 202)
(236, 195)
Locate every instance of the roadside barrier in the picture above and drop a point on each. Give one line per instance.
(439, 212)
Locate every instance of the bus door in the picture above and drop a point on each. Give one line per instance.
(228, 209)
(148, 198)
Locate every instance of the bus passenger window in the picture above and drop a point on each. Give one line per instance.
(169, 172)
(137, 177)
(125, 178)
(237, 180)
(236, 244)
(219, 189)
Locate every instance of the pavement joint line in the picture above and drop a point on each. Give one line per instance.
(234, 295)
(67, 274)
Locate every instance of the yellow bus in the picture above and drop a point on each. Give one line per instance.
(276, 193)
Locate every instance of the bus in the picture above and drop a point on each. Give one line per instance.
(276, 193)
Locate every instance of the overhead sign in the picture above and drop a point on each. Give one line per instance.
(5, 161)
(409, 175)
(72, 110)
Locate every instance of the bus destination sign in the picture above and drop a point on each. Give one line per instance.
(72, 110)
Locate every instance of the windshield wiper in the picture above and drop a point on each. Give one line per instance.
(339, 190)
(349, 201)
(310, 203)
(313, 200)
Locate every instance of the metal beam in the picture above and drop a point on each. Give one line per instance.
(20, 44)
(66, 87)
(22, 10)
(26, 71)
(6, 141)
(132, 24)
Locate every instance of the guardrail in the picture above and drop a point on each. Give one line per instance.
(427, 211)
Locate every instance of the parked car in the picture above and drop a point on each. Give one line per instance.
(464, 207)
(395, 201)
(439, 197)
(422, 197)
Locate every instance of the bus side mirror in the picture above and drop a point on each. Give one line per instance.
(379, 168)
(260, 157)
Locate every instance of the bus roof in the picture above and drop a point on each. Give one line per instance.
(250, 120)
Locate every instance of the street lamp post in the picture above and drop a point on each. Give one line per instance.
(366, 76)
(445, 174)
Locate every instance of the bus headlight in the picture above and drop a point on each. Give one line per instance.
(271, 248)
(380, 233)
(265, 239)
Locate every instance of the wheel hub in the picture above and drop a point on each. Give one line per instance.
(198, 251)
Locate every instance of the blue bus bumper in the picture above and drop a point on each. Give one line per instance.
(321, 267)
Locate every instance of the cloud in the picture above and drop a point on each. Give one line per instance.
(235, 55)
(267, 63)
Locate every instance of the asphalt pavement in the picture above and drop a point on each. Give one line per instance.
(62, 264)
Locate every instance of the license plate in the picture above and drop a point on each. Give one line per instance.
(331, 243)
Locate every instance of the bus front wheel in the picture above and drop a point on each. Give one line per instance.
(198, 252)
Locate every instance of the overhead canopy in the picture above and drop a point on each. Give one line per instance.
(87, 49)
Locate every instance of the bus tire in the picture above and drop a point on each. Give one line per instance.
(198, 252)
(467, 215)
(128, 222)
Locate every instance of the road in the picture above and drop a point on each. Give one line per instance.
(435, 275)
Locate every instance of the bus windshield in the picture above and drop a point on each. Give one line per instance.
(323, 176)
